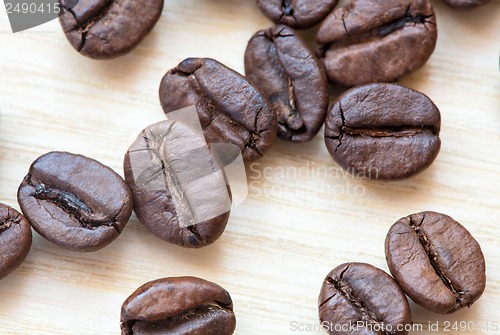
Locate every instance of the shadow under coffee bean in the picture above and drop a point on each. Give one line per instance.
(286, 71)
(369, 41)
(74, 201)
(436, 261)
(383, 131)
(15, 239)
(362, 296)
(183, 305)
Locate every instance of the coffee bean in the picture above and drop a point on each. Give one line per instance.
(230, 109)
(370, 41)
(108, 28)
(465, 4)
(286, 71)
(383, 131)
(74, 201)
(299, 14)
(364, 297)
(15, 239)
(178, 186)
(436, 261)
(178, 306)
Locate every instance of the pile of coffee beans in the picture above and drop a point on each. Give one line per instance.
(375, 129)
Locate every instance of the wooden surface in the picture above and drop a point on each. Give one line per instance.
(292, 230)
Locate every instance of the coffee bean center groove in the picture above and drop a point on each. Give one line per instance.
(433, 259)
(345, 290)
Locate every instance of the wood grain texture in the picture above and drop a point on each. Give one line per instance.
(303, 217)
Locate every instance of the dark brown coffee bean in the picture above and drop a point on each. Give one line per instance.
(15, 239)
(108, 28)
(230, 109)
(465, 4)
(178, 306)
(299, 14)
(178, 185)
(383, 131)
(285, 70)
(364, 297)
(370, 41)
(74, 201)
(436, 261)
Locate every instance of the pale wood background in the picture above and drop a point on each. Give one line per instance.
(290, 232)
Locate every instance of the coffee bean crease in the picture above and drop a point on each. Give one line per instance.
(403, 21)
(4, 225)
(15, 239)
(103, 29)
(230, 109)
(12, 219)
(206, 310)
(360, 35)
(287, 8)
(434, 259)
(71, 204)
(344, 289)
(85, 26)
(369, 41)
(218, 115)
(378, 32)
(178, 306)
(377, 127)
(288, 73)
(7, 223)
(155, 145)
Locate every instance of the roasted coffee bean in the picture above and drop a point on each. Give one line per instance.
(436, 261)
(178, 186)
(362, 299)
(74, 201)
(299, 14)
(15, 239)
(370, 41)
(465, 4)
(286, 71)
(383, 131)
(178, 306)
(230, 109)
(108, 28)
